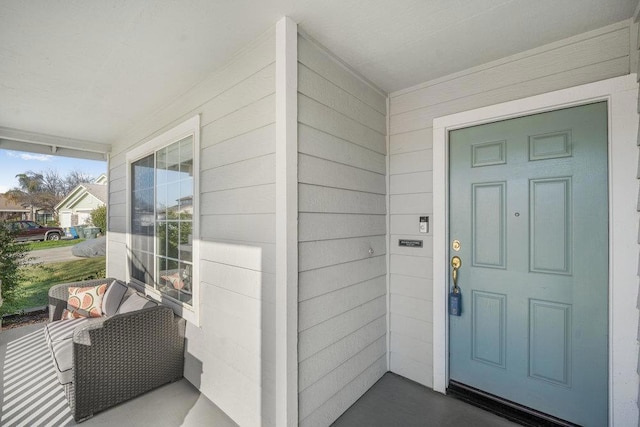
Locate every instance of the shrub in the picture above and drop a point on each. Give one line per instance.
(13, 256)
(99, 218)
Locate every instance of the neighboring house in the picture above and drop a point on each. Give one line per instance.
(319, 226)
(75, 209)
(11, 210)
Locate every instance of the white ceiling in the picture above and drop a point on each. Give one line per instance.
(88, 69)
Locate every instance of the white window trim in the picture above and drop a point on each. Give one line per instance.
(621, 94)
(187, 128)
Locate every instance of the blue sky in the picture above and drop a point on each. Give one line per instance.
(16, 162)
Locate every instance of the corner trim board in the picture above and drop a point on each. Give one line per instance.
(286, 223)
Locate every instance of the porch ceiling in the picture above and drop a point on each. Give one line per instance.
(85, 71)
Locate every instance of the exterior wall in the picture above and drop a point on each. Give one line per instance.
(87, 203)
(589, 57)
(83, 209)
(342, 216)
(230, 356)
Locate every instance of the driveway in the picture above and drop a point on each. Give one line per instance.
(47, 256)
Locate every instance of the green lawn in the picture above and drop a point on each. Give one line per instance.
(47, 244)
(33, 292)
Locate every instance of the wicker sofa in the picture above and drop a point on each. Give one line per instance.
(136, 346)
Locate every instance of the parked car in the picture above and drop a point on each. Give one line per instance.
(31, 230)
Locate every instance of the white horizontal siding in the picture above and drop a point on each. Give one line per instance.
(255, 227)
(336, 200)
(250, 145)
(315, 368)
(314, 58)
(582, 59)
(342, 236)
(324, 307)
(323, 253)
(328, 412)
(231, 356)
(323, 226)
(325, 280)
(325, 146)
(313, 170)
(257, 199)
(612, 43)
(325, 334)
(319, 116)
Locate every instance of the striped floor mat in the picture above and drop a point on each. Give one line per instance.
(31, 394)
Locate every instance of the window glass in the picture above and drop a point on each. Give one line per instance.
(161, 220)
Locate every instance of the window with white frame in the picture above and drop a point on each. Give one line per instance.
(161, 221)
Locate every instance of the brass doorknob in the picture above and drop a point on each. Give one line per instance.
(456, 263)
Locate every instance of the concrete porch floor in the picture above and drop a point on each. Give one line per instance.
(397, 401)
(30, 395)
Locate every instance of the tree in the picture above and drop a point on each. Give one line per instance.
(13, 256)
(33, 192)
(73, 179)
(99, 218)
(44, 190)
(53, 183)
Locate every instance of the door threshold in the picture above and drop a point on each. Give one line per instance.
(504, 408)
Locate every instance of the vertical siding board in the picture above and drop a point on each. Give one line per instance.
(586, 58)
(342, 236)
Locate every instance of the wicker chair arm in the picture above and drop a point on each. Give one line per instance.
(58, 295)
(125, 355)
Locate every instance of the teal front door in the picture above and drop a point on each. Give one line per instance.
(529, 217)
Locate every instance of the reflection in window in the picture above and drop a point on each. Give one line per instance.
(162, 220)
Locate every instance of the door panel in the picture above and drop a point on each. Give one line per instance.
(488, 224)
(488, 328)
(529, 204)
(550, 229)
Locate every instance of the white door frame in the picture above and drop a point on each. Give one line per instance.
(621, 93)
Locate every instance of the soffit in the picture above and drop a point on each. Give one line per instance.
(89, 70)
